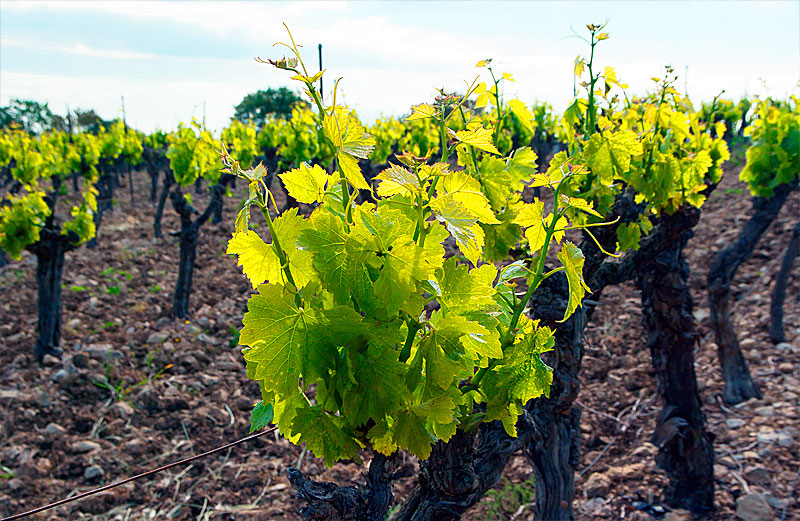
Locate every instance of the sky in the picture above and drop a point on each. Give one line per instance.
(174, 61)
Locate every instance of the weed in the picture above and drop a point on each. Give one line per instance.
(504, 502)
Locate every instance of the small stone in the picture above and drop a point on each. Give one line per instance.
(785, 347)
(679, 515)
(625, 471)
(757, 475)
(748, 343)
(157, 337)
(206, 339)
(777, 504)
(99, 352)
(122, 409)
(50, 361)
(597, 485)
(728, 462)
(749, 454)
(244, 404)
(83, 447)
(753, 507)
(593, 504)
(163, 321)
(93, 302)
(204, 322)
(130, 331)
(644, 451)
(734, 423)
(786, 367)
(93, 473)
(785, 439)
(54, 428)
(767, 411)
(701, 314)
(44, 399)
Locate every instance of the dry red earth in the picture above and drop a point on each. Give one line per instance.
(137, 389)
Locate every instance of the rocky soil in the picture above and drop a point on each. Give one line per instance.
(137, 389)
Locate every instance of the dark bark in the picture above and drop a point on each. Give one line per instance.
(49, 251)
(225, 180)
(105, 196)
(554, 453)
(162, 200)
(739, 385)
(3, 259)
(153, 173)
(188, 245)
(685, 452)
(329, 501)
(458, 473)
(130, 185)
(776, 333)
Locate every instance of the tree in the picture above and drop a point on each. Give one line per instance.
(258, 106)
(31, 116)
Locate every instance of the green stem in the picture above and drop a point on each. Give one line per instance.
(282, 258)
(538, 277)
(590, 120)
(413, 329)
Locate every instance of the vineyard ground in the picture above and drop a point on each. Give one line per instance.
(138, 389)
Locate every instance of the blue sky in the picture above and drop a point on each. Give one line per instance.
(168, 59)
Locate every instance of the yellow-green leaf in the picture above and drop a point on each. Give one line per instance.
(572, 259)
(306, 184)
(258, 259)
(479, 137)
(421, 111)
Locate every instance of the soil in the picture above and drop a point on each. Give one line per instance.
(137, 389)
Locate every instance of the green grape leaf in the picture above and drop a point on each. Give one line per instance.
(261, 416)
(352, 171)
(375, 386)
(324, 436)
(410, 428)
(260, 262)
(466, 191)
(523, 114)
(397, 180)
(462, 225)
(307, 183)
(326, 238)
(522, 165)
(478, 137)
(347, 133)
(258, 259)
(280, 336)
(462, 291)
(421, 111)
(572, 259)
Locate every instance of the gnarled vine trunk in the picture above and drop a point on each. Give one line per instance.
(325, 500)
(49, 251)
(685, 452)
(224, 181)
(188, 245)
(776, 333)
(169, 180)
(105, 196)
(739, 384)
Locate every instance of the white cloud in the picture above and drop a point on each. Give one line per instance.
(76, 48)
